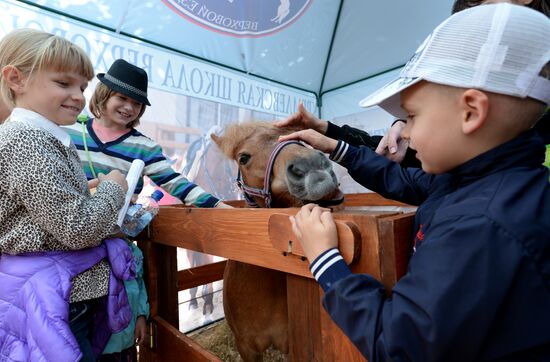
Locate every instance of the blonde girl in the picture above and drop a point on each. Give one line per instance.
(45, 204)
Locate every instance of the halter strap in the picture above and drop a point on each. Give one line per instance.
(265, 193)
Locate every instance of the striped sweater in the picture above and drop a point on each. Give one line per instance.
(119, 154)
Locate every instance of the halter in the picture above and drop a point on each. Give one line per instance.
(265, 193)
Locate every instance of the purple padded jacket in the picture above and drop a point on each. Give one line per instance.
(34, 301)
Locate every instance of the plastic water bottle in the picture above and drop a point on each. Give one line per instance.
(141, 213)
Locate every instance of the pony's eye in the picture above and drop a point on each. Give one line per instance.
(244, 158)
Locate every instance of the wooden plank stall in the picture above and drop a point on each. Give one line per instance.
(380, 248)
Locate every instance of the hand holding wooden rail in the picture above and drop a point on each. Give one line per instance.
(284, 240)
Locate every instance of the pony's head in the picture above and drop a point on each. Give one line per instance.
(275, 174)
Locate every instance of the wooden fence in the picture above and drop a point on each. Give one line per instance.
(379, 243)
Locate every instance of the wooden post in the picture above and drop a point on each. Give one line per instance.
(160, 274)
(160, 269)
(167, 265)
(304, 325)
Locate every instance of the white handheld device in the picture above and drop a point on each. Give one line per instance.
(132, 178)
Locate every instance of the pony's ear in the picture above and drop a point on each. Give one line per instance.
(218, 140)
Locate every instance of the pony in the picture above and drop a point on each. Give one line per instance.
(270, 174)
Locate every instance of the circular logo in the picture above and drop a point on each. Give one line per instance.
(240, 18)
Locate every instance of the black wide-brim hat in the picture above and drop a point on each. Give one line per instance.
(126, 78)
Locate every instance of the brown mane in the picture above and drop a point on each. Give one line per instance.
(236, 134)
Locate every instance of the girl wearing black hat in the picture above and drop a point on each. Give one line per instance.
(110, 141)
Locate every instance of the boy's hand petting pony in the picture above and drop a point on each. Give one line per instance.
(312, 138)
(303, 119)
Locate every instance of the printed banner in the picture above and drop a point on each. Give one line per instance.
(168, 71)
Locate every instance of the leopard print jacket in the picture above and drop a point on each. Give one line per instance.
(45, 204)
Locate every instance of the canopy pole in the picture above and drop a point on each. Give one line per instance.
(123, 17)
(319, 94)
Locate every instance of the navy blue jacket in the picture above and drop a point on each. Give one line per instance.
(478, 285)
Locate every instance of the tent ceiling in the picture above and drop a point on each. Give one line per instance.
(331, 44)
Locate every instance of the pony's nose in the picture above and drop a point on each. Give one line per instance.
(310, 177)
(298, 167)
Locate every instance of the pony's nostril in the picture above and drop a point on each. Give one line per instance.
(295, 170)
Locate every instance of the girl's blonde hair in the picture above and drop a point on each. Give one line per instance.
(101, 95)
(31, 51)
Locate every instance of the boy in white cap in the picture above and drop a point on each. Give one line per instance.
(478, 284)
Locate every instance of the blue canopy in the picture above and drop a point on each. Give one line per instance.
(212, 62)
(320, 46)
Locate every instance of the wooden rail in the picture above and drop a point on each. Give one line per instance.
(204, 274)
(242, 234)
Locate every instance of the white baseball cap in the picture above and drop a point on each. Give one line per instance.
(499, 48)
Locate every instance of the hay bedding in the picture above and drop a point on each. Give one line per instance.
(218, 339)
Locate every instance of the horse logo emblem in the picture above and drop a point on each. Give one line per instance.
(240, 18)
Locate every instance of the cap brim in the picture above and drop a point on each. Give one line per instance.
(388, 97)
